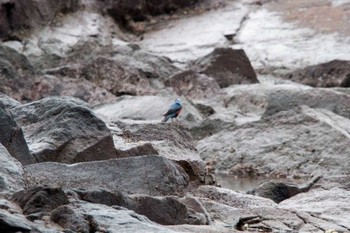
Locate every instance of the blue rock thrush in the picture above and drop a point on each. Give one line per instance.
(173, 111)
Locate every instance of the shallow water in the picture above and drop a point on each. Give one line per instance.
(244, 184)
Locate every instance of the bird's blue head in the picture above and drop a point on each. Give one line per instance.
(178, 101)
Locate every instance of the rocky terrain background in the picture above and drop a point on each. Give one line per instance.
(264, 86)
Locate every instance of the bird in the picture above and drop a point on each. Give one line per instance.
(174, 111)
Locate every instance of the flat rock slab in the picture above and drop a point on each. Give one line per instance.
(152, 175)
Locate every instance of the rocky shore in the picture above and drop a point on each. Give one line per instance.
(84, 84)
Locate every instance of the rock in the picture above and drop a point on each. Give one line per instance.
(335, 73)
(40, 199)
(117, 78)
(124, 12)
(11, 172)
(48, 85)
(16, 73)
(282, 100)
(152, 175)
(17, 17)
(279, 191)
(88, 217)
(209, 127)
(330, 206)
(231, 198)
(13, 139)
(13, 223)
(166, 210)
(8, 102)
(296, 142)
(163, 210)
(227, 67)
(193, 85)
(64, 130)
(150, 108)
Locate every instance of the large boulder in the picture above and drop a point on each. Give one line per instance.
(11, 172)
(18, 16)
(298, 142)
(12, 138)
(152, 175)
(335, 73)
(227, 66)
(64, 130)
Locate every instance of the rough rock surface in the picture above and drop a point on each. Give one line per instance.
(294, 142)
(193, 85)
(11, 172)
(19, 16)
(64, 130)
(152, 175)
(227, 67)
(335, 73)
(40, 199)
(282, 100)
(13, 139)
(87, 217)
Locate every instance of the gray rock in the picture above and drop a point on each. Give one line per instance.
(330, 206)
(13, 139)
(40, 199)
(296, 142)
(88, 217)
(152, 175)
(11, 172)
(147, 108)
(16, 17)
(283, 100)
(64, 130)
(227, 67)
(193, 85)
(279, 191)
(335, 73)
(163, 210)
(8, 102)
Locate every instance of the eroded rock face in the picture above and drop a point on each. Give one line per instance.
(335, 73)
(19, 16)
(64, 130)
(227, 67)
(298, 141)
(152, 175)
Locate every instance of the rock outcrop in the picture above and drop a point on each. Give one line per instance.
(64, 130)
